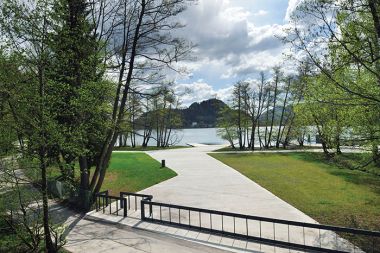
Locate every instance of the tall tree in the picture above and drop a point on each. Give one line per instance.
(144, 40)
(277, 78)
(341, 39)
(284, 107)
(256, 109)
(25, 29)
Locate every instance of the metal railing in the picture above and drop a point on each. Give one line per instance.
(277, 232)
(112, 204)
(103, 202)
(135, 196)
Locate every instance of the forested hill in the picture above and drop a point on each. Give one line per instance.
(203, 114)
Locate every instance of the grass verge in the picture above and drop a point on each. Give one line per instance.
(328, 193)
(293, 147)
(134, 172)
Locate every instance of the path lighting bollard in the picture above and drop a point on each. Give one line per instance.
(163, 164)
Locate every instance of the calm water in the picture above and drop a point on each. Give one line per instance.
(182, 137)
(200, 135)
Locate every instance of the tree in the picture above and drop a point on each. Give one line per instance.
(277, 77)
(26, 31)
(255, 109)
(262, 97)
(77, 78)
(329, 118)
(240, 104)
(284, 106)
(341, 40)
(143, 41)
(166, 117)
(226, 130)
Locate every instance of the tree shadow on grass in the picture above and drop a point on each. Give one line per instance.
(357, 177)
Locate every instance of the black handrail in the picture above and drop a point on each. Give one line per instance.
(137, 195)
(272, 220)
(246, 236)
(107, 201)
(143, 197)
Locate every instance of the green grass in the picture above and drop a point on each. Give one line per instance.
(140, 148)
(129, 171)
(229, 148)
(356, 161)
(328, 193)
(133, 172)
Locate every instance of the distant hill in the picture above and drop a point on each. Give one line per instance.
(203, 114)
(277, 115)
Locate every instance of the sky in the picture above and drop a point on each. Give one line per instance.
(235, 40)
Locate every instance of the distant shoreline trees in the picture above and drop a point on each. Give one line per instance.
(261, 113)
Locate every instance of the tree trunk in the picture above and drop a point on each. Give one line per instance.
(45, 206)
(273, 112)
(266, 145)
(282, 116)
(240, 135)
(376, 154)
(259, 136)
(118, 109)
(253, 137)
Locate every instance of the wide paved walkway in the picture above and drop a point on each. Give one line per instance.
(94, 235)
(205, 182)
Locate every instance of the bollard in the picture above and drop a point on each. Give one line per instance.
(163, 164)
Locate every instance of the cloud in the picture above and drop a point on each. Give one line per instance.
(227, 41)
(231, 46)
(199, 91)
(260, 13)
(292, 6)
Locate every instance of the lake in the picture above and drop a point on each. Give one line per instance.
(181, 137)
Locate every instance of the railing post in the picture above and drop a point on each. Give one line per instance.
(124, 201)
(150, 207)
(142, 210)
(107, 198)
(121, 201)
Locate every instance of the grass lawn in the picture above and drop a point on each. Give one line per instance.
(133, 172)
(229, 148)
(328, 193)
(128, 171)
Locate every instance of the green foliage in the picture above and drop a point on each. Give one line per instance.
(342, 94)
(226, 127)
(14, 232)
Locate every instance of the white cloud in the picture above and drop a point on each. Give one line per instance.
(199, 91)
(230, 47)
(260, 13)
(228, 43)
(292, 6)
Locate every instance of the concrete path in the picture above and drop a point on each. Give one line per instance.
(98, 235)
(96, 232)
(186, 240)
(205, 182)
